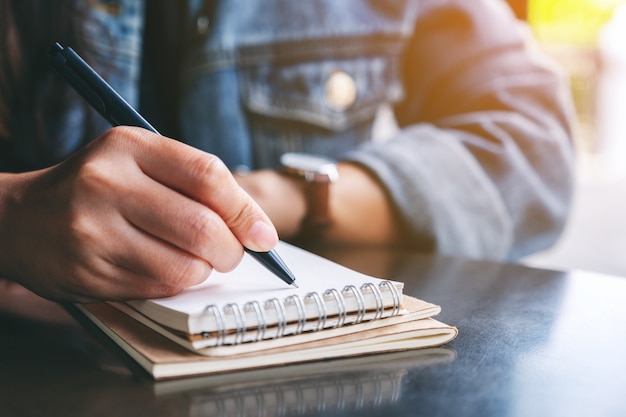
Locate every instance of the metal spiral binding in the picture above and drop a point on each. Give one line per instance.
(360, 314)
(397, 301)
(221, 322)
(321, 309)
(295, 299)
(280, 315)
(331, 295)
(240, 323)
(380, 305)
(260, 319)
(341, 306)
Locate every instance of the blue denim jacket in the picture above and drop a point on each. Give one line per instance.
(481, 162)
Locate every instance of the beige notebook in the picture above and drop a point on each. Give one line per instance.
(164, 359)
(249, 319)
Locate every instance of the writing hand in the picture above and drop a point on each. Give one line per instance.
(132, 215)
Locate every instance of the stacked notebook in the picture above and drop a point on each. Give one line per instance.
(249, 319)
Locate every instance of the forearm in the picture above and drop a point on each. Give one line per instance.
(482, 166)
(360, 209)
(486, 185)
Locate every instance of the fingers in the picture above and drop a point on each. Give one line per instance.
(116, 260)
(144, 266)
(184, 223)
(204, 178)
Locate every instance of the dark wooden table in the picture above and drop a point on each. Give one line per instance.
(531, 343)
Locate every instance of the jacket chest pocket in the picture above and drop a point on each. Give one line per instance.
(324, 106)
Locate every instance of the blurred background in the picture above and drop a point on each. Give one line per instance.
(588, 39)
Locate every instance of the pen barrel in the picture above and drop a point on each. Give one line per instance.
(93, 88)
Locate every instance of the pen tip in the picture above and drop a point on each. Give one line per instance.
(294, 284)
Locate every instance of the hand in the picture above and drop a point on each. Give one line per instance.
(132, 215)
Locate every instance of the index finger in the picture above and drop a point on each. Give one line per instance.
(205, 178)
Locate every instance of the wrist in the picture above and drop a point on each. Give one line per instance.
(315, 174)
(362, 212)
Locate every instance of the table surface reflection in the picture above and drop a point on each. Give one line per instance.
(531, 342)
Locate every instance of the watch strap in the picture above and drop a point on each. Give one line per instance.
(318, 213)
(317, 173)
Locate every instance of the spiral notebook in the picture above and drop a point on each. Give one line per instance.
(164, 359)
(250, 304)
(248, 319)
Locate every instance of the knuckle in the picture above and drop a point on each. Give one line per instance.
(243, 215)
(122, 139)
(230, 262)
(208, 167)
(123, 134)
(115, 137)
(207, 239)
(202, 225)
(93, 176)
(82, 230)
(187, 272)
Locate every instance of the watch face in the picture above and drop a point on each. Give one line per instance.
(305, 162)
(309, 166)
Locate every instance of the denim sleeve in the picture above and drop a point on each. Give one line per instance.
(483, 163)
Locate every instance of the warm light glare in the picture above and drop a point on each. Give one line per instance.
(569, 21)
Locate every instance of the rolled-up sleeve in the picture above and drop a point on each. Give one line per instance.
(483, 163)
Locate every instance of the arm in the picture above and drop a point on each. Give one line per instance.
(132, 215)
(482, 166)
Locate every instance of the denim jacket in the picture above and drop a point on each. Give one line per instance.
(479, 162)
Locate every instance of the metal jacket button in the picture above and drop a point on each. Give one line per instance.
(340, 91)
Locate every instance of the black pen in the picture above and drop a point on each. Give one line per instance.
(106, 101)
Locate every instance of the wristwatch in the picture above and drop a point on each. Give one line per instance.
(318, 172)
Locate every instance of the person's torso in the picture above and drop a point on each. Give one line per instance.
(262, 77)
